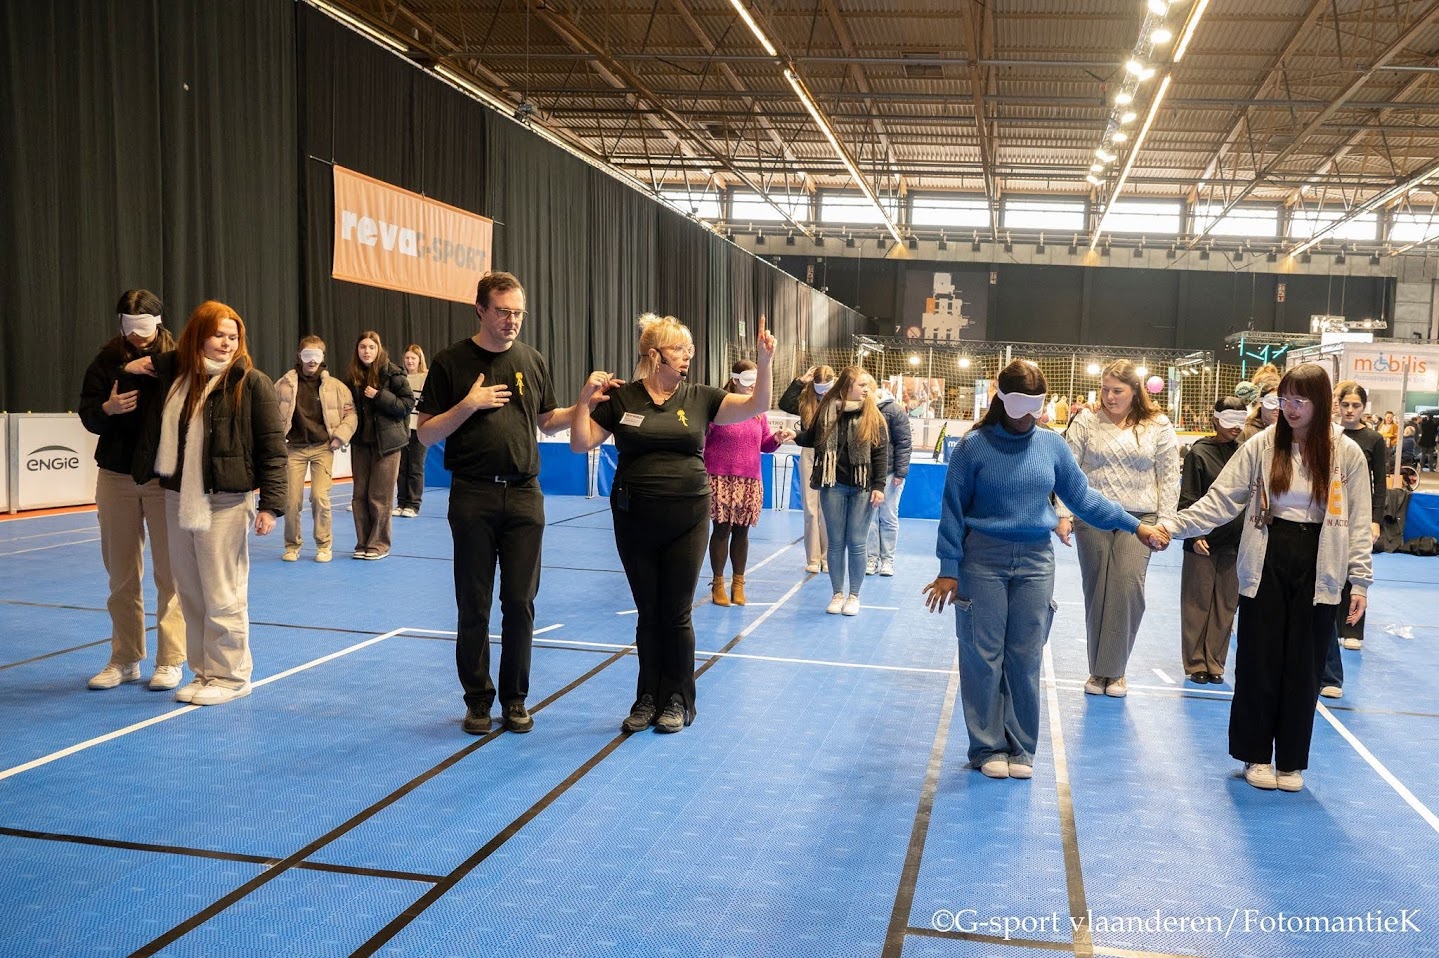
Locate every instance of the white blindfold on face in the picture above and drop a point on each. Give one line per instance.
(747, 378)
(312, 355)
(1230, 418)
(1019, 405)
(821, 388)
(142, 324)
(1270, 402)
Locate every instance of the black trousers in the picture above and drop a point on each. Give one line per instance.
(1283, 640)
(496, 524)
(412, 473)
(661, 543)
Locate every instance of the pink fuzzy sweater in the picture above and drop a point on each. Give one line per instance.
(734, 450)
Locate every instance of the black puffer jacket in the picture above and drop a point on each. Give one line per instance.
(385, 419)
(119, 435)
(244, 444)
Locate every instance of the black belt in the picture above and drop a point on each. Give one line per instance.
(506, 480)
(1298, 526)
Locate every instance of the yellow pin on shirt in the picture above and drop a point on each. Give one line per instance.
(520, 382)
(682, 418)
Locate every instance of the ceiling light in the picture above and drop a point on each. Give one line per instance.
(1094, 180)
(914, 359)
(1190, 26)
(1141, 371)
(1159, 7)
(1161, 36)
(964, 362)
(1145, 74)
(1119, 136)
(749, 21)
(1092, 369)
(1133, 156)
(1134, 67)
(355, 23)
(1096, 168)
(1129, 117)
(1104, 155)
(1123, 99)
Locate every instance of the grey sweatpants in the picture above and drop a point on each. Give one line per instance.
(1112, 567)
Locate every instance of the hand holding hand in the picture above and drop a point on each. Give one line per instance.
(764, 339)
(1357, 605)
(783, 436)
(1156, 537)
(1065, 531)
(120, 403)
(264, 522)
(371, 392)
(940, 591)
(144, 366)
(488, 397)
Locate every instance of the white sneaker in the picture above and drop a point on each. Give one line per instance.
(1289, 781)
(112, 675)
(1353, 645)
(219, 694)
(996, 766)
(851, 605)
(323, 555)
(291, 555)
(1117, 688)
(1332, 692)
(1260, 775)
(836, 605)
(811, 567)
(166, 677)
(1020, 771)
(824, 565)
(871, 565)
(187, 693)
(886, 567)
(1094, 685)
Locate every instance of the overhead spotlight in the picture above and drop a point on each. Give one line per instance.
(1039, 247)
(759, 238)
(1306, 257)
(1171, 253)
(964, 362)
(1096, 167)
(789, 239)
(1374, 259)
(1104, 155)
(1238, 256)
(1093, 369)
(1159, 7)
(1105, 251)
(1272, 257)
(1339, 258)
(976, 246)
(1120, 136)
(1008, 246)
(1123, 99)
(913, 243)
(1204, 255)
(819, 239)
(1094, 180)
(1161, 36)
(849, 241)
(880, 242)
(914, 359)
(1129, 117)
(943, 242)
(1134, 67)
(1146, 73)
(1141, 371)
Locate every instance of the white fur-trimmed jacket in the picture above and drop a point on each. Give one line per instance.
(1345, 539)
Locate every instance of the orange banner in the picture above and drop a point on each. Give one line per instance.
(395, 239)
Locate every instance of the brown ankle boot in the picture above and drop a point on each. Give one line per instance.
(717, 592)
(736, 592)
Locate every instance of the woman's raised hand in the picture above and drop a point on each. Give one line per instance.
(765, 340)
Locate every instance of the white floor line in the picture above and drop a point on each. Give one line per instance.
(1409, 798)
(882, 608)
(57, 545)
(629, 612)
(182, 710)
(496, 635)
(771, 557)
(1163, 677)
(48, 535)
(1083, 938)
(1076, 683)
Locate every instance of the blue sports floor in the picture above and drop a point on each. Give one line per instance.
(819, 806)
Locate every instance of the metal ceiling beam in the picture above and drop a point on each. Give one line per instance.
(978, 22)
(1394, 49)
(861, 82)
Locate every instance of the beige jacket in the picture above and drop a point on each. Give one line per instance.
(335, 400)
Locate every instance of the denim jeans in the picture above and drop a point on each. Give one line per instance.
(1002, 623)
(884, 530)
(846, 520)
(1333, 671)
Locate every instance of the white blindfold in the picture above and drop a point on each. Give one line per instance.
(142, 323)
(1019, 405)
(312, 355)
(1231, 418)
(1270, 402)
(747, 378)
(821, 388)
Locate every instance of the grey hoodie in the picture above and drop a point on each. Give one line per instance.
(1345, 539)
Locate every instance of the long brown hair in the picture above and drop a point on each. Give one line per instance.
(809, 400)
(360, 377)
(871, 428)
(142, 301)
(190, 353)
(1141, 407)
(740, 366)
(420, 354)
(1020, 376)
(1308, 381)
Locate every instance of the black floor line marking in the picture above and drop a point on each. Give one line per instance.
(399, 923)
(59, 605)
(296, 858)
(262, 860)
(909, 875)
(51, 655)
(582, 515)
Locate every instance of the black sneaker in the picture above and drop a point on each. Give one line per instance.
(673, 718)
(477, 722)
(642, 715)
(517, 718)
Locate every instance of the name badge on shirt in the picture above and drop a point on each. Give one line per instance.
(631, 419)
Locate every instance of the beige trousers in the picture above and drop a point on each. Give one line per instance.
(816, 543)
(320, 461)
(125, 510)
(212, 573)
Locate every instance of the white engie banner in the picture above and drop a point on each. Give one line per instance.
(1381, 366)
(52, 460)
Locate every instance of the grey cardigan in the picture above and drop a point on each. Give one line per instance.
(1345, 539)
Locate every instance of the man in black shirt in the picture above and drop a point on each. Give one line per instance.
(485, 397)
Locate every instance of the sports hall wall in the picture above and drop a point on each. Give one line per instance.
(186, 146)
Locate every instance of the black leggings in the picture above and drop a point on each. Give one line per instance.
(661, 543)
(729, 540)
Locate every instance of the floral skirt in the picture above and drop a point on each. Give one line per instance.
(736, 500)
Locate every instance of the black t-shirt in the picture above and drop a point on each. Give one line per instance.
(492, 442)
(661, 446)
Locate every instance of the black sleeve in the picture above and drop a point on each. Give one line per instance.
(1191, 479)
(547, 396)
(806, 437)
(789, 402)
(607, 413)
(714, 399)
(268, 439)
(879, 462)
(395, 400)
(902, 440)
(436, 398)
(94, 391)
(1379, 483)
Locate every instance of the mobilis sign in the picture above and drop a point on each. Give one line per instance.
(1387, 367)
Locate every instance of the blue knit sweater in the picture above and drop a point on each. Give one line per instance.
(1000, 483)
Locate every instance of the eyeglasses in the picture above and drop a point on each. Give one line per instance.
(1293, 402)
(505, 313)
(686, 351)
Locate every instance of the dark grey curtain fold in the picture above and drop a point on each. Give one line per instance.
(623, 271)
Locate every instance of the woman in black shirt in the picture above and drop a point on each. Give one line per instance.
(660, 499)
(383, 402)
